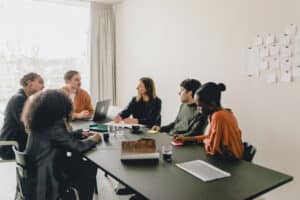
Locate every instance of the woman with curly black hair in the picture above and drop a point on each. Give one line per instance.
(46, 116)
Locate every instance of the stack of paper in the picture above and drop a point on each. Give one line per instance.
(203, 170)
(122, 124)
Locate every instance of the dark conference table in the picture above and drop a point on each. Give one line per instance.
(166, 181)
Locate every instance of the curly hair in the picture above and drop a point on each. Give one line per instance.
(43, 109)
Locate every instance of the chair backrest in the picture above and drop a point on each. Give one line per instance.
(22, 173)
(25, 169)
(5, 150)
(249, 152)
(22, 162)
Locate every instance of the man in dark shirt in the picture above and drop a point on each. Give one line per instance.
(13, 128)
(189, 120)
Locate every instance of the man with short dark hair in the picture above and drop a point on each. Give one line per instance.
(13, 128)
(189, 120)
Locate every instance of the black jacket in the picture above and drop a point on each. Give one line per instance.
(148, 113)
(46, 152)
(13, 128)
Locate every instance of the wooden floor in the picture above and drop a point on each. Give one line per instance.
(106, 185)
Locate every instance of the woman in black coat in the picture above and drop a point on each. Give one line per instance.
(46, 117)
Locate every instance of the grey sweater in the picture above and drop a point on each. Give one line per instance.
(189, 121)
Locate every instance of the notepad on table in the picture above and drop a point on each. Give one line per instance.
(123, 124)
(203, 170)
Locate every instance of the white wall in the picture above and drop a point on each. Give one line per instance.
(171, 40)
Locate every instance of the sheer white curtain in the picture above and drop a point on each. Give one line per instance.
(102, 38)
(43, 37)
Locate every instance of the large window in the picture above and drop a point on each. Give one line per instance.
(38, 36)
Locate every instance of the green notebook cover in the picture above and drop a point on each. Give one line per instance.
(98, 127)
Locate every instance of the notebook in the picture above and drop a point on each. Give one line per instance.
(98, 127)
(203, 170)
(122, 124)
(142, 150)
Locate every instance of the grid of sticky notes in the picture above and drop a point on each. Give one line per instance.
(275, 58)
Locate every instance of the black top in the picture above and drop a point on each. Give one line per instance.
(46, 151)
(13, 128)
(148, 113)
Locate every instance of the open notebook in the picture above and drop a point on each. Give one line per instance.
(122, 124)
(203, 170)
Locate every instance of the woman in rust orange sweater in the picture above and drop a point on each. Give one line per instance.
(224, 135)
(82, 104)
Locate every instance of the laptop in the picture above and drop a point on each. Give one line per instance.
(100, 115)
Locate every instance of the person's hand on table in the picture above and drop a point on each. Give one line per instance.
(87, 133)
(155, 128)
(131, 121)
(96, 138)
(85, 114)
(179, 138)
(118, 119)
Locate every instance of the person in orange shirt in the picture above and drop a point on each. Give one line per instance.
(82, 104)
(224, 135)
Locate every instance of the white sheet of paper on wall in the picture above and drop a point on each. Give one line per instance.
(296, 71)
(284, 39)
(297, 49)
(274, 63)
(286, 65)
(252, 61)
(297, 59)
(264, 64)
(292, 29)
(264, 52)
(297, 41)
(286, 76)
(285, 51)
(272, 77)
(270, 39)
(274, 50)
(258, 40)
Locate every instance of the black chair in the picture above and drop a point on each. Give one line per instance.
(21, 173)
(249, 152)
(8, 143)
(96, 186)
(24, 170)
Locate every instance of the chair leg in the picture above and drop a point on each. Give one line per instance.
(96, 186)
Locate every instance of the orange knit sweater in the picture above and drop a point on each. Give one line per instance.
(82, 101)
(224, 135)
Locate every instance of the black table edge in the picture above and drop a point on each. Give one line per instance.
(271, 188)
(116, 178)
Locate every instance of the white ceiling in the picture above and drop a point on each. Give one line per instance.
(107, 1)
(78, 1)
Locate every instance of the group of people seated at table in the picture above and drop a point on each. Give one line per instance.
(40, 123)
